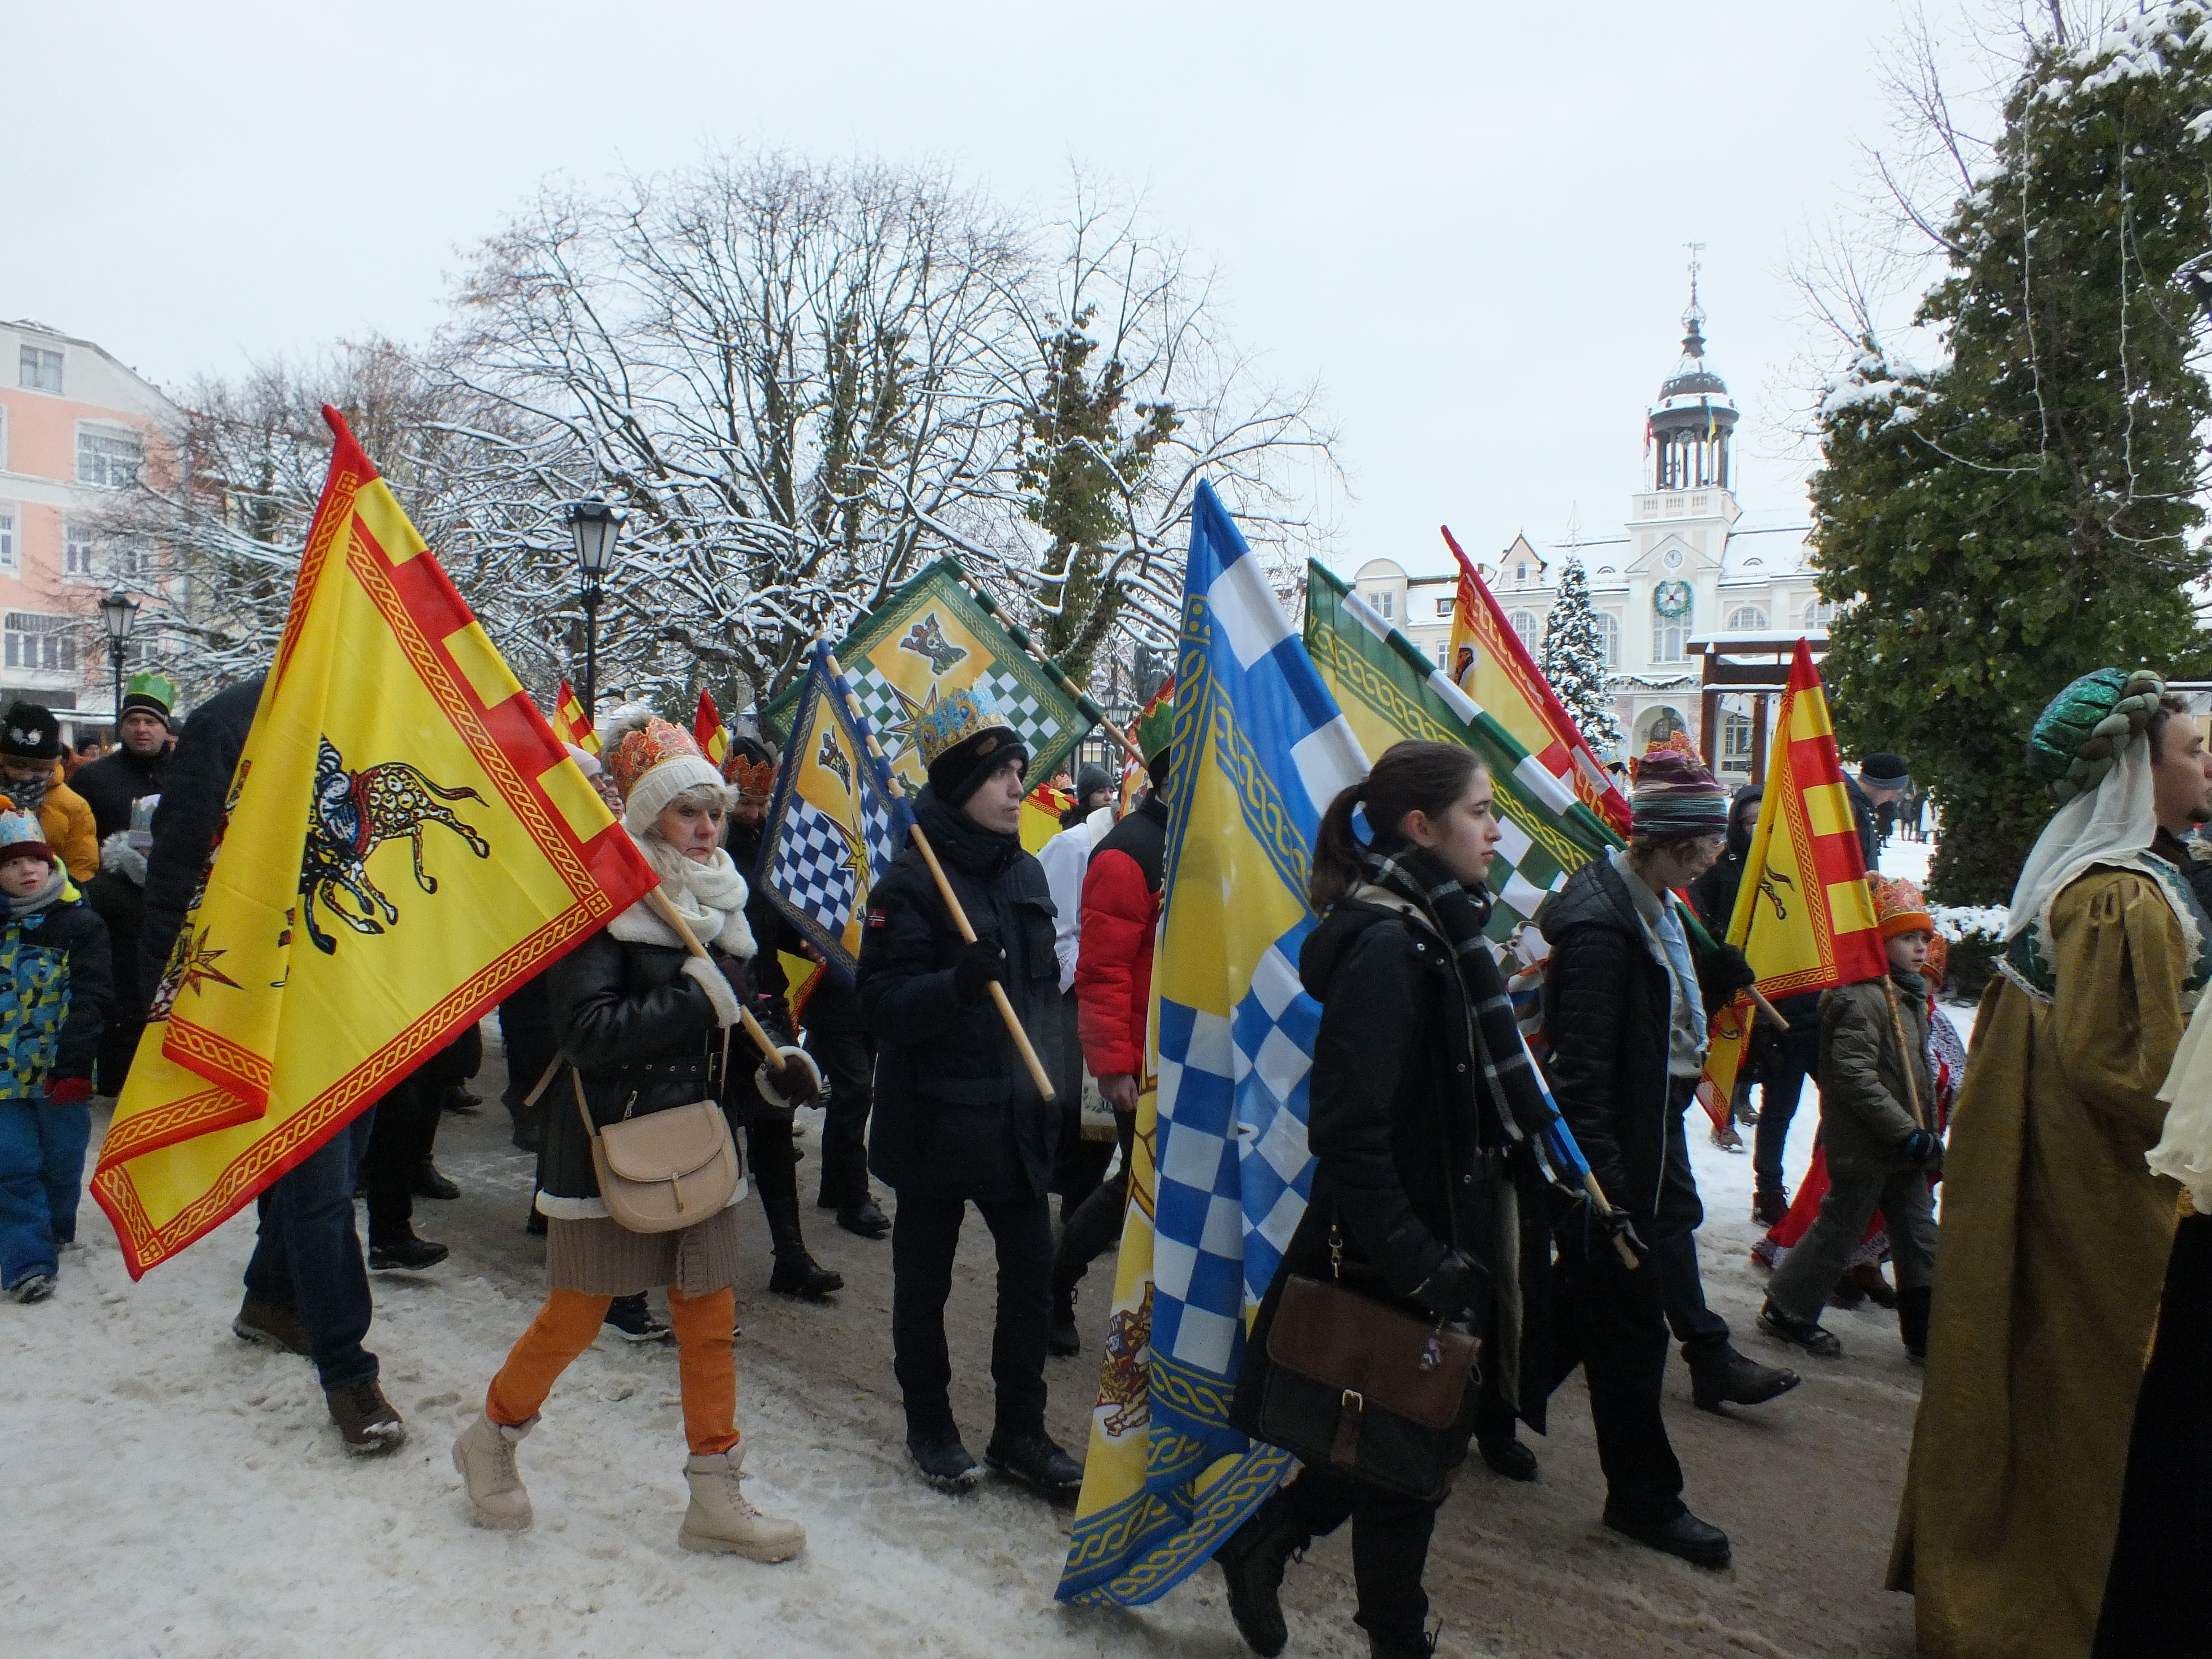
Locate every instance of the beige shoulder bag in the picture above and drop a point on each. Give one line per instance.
(666, 1170)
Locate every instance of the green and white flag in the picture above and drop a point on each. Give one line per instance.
(1389, 690)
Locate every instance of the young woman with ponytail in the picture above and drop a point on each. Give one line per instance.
(1425, 1120)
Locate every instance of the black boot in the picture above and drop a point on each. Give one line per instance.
(796, 1274)
(1400, 1647)
(1506, 1455)
(1912, 1302)
(1251, 1560)
(1060, 1336)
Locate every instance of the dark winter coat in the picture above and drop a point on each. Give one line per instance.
(54, 974)
(642, 1033)
(193, 790)
(772, 930)
(1713, 895)
(111, 783)
(526, 1031)
(955, 1108)
(1121, 919)
(1608, 1004)
(1400, 1135)
(1864, 820)
(1866, 1094)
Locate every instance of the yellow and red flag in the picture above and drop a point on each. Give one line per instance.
(707, 728)
(1041, 810)
(1492, 666)
(570, 721)
(405, 841)
(1803, 913)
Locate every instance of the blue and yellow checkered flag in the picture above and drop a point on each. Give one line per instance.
(1220, 1173)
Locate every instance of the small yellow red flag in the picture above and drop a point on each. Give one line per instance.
(572, 723)
(707, 729)
(405, 841)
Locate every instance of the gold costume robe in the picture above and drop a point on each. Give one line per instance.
(2053, 1251)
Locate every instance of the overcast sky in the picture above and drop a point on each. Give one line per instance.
(1465, 222)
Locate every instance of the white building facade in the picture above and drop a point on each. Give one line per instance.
(1690, 565)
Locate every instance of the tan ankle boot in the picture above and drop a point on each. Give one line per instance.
(721, 1520)
(484, 1455)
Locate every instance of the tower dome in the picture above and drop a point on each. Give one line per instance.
(1693, 423)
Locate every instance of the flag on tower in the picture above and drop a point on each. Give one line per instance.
(405, 841)
(1492, 667)
(572, 723)
(1803, 913)
(707, 729)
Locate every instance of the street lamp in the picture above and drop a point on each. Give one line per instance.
(118, 612)
(592, 526)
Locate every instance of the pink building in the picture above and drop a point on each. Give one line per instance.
(76, 425)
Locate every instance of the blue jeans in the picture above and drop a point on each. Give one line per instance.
(307, 1257)
(41, 1177)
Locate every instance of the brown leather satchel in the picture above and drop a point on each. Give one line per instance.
(670, 1169)
(1376, 1394)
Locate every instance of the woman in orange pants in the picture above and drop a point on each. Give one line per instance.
(642, 1024)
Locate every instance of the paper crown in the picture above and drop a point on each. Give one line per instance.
(749, 768)
(2082, 731)
(1156, 725)
(1898, 908)
(644, 747)
(955, 717)
(157, 692)
(20, 832)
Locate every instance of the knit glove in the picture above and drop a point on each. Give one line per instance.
(979, 963)
(1456, 1289)
(1617, 1224)
(1922, 1149)
(68, 1091)
(1730, 971)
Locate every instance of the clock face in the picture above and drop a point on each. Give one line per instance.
(1674, 558)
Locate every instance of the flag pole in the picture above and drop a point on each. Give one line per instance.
(1028, 1054)
(1083, 699)
(669, 914)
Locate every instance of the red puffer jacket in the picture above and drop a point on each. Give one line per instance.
(1120, 916)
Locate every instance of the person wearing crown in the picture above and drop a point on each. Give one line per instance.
(958, 1118)
(2055, 1232)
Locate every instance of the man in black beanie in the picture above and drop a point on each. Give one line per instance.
(958, 1118)
(1883, 777)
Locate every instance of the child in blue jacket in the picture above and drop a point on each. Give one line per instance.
(55, 989)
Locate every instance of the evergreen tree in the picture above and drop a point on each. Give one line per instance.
(1574, 659)
(2025, 513)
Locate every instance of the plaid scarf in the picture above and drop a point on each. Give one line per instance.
(1459, 913)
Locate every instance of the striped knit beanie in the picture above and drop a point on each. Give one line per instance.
(1674, 797)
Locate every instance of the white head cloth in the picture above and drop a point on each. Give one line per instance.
(2113, 824)
(2184, 1151)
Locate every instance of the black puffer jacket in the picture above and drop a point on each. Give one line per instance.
(111, 783)
(642, 1033)
(1608, 1004)
(955, 1108)
(1400, 1133)
(193, 790)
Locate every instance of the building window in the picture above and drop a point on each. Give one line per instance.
(30, 640)
(1530, 626)
(76, 549)
(1818, 613)
(1443, 654)
(1673, 619)
(107, 458)
(1735, 743)
(8, 543)
(1608, 641)
(40, 371)
(1446, 604)
(1383, 604)
(1747, 619)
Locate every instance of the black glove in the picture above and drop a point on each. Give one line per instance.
(978, 965)
(1617, 1222)
(1730, 971)
(1922, 1149)
(1457, 1290)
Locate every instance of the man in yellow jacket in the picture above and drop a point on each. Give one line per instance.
(31, 774)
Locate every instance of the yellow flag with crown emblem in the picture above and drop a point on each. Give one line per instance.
(406, 841)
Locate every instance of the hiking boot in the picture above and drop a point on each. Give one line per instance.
(426, 1182)
(1878, 1291)
(32, 1287)
(1403, 1647)
(1685, 1535)
(1035, 1461)
(798, 1274)
(1737, 1380)
(867, 1218)
(459, 1100)
(945, 1463)
(1060, 1337)
(1509, 1457)
(268, 1325)
(1912, 1321)
(631, 1317)
(1769, 1206)
(484, 1455)
(722, 1521)
(366, 1420)
(1804, 1333)
(1251, 1560)
(409, 1255)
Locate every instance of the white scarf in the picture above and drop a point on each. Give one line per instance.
(710, 898)
(2184, 1151)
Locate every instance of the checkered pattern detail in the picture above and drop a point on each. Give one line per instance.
(1039, 722)
(1233, 1174)
(812, 867)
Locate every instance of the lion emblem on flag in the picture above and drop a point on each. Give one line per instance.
(353, 814)
(927, 639)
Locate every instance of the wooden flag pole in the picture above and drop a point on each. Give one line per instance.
(1028, 1054)
(674, 918)
(1628, 1256)
(1083, 699)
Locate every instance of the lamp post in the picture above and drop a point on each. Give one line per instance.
(592, 526)
(118, 612)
